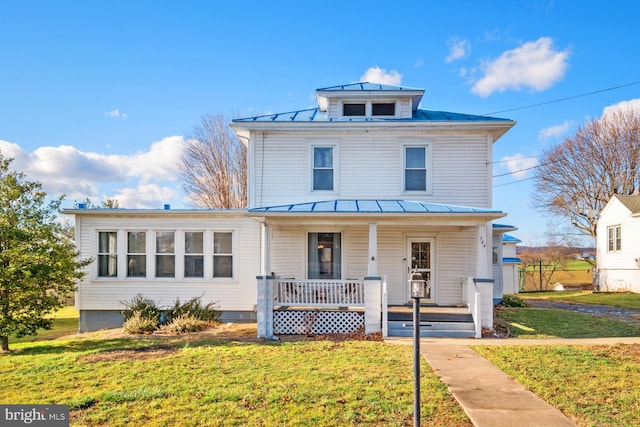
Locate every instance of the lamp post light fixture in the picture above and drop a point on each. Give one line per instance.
(418, 290)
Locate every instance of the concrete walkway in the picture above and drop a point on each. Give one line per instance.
(489, 396)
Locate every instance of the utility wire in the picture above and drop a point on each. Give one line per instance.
(563, 99)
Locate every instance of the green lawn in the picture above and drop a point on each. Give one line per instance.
(593, 385)
(216, 382)
(615, 299)
(65, 322)
(550, 323)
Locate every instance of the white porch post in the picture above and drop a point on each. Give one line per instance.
(372, 304)
(264, 308)
(372, 267)
(484, 256)
(265, 256)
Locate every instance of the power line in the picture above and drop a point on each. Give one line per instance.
(563, 99)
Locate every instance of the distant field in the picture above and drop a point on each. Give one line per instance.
(576, 273)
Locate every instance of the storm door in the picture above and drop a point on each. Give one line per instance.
(421, 258)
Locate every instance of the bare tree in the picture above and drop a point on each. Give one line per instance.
(214, 166)
(539, 264)
(579, 176)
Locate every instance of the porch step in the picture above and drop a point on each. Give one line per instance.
(432, 329)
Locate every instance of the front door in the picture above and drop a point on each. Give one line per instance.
(421, 257)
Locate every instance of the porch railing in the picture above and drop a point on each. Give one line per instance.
(318, 293)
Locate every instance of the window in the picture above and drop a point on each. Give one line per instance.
(415, 169)
(324, 256)
(383, 109)
(615, 238)
(323, 168)
(353, 109)
(193, 254)
(222, 254)
(165, 254)
(136, 258)
(107, 254)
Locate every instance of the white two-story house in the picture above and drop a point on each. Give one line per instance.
(346, 200)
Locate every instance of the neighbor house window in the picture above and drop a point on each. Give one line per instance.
(415, 168)
(325, 256)
(193, 254)
(322, 168)
(222, 254)
(383, 109)
(615, 238)
(353, 109)
(107, 254)
(165, 254)
(136, 254)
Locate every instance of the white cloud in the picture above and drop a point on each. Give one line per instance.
(143, 179)
(116, 114)
(630, 105)
(519, 166)
(555, 131)
(534, 65)
(145, 196)
(458, 49)
(380, 75)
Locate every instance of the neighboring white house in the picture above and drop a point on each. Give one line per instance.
(618, 245)
(345, 201)
(511, 263)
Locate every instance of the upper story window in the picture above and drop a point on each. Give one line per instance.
(136, 254)
(193, 254)
(165, 254)
(223, 254)
(358, 109)
(614, 234)
(107, 254)
(383, 109)
(415, 168)
(322, 168)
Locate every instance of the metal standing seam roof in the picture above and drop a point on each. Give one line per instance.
(507, 238)
(372, 206)
(314, 115)
(368, 87)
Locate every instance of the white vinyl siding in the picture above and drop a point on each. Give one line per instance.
(229, 293)
(370, 167)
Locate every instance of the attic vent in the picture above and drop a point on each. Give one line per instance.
(383, 109)
(353, 109)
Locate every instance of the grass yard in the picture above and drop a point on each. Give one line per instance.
(551, 323)
(615, 299)
(155, 381)
(593, 385)
(65, 322)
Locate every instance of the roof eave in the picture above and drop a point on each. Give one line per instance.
(497, 129)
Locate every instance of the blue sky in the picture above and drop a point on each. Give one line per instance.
(96, 97)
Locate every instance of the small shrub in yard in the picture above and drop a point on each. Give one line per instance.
(513, 301)
(183, 324)
(137, 323)
(195, 309)
(144, 307)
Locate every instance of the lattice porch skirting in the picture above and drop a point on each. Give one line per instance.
(296, 322)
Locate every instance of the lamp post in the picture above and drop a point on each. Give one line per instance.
(418, 290)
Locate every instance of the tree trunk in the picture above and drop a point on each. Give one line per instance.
(4, 343)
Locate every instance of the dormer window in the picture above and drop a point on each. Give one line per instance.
(383, 109)
(353, 109)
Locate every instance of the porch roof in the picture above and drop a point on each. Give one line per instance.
(367, 206)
